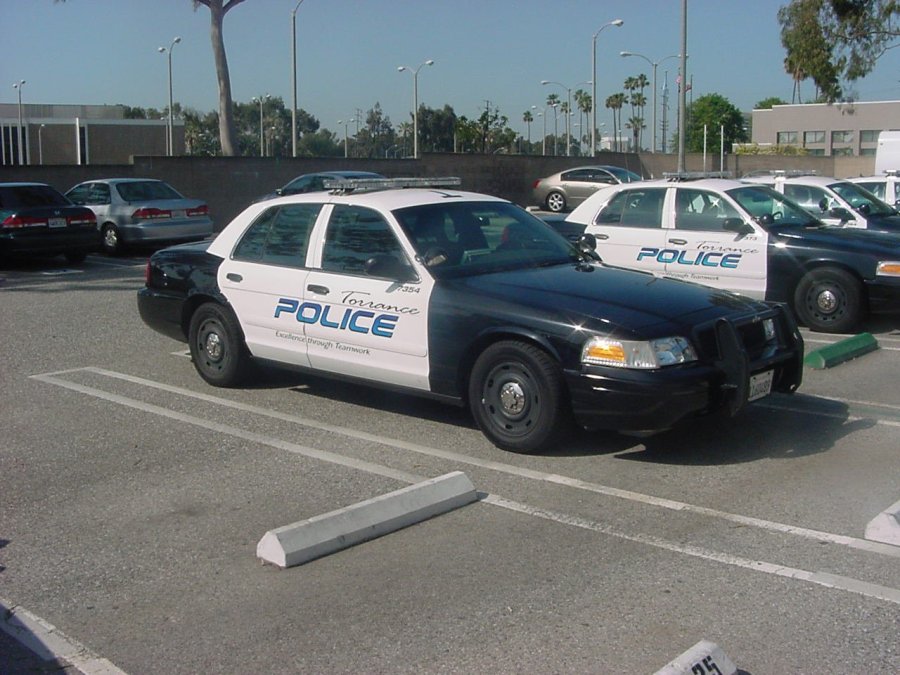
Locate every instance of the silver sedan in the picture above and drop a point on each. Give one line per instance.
(567, 189)
(133, 211)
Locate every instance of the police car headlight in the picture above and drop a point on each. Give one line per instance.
(601, 351)
(769, 328)
(888, 269)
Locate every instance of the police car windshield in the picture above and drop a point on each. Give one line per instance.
(770, 208)
(458, 238)
(857, 196)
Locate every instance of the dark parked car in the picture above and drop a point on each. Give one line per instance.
(35, 219)
(567, 189)
(142, 211)
(315, 182)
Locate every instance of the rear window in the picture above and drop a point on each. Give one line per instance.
(145, 191)
(26, 196)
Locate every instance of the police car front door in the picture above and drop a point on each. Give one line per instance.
(629, 231)
(363, 320)
(701, 244)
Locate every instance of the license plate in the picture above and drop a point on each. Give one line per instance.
(57, 222)
(760, 385)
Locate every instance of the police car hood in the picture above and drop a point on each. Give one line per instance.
(847, 239)
(601, 297)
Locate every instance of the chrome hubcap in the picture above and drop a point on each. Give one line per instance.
(213, 346)
(827, 301)
(512, 398)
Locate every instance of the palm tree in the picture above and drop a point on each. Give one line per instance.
(553, 102)
(583, 101)
(528, 118)
(615, 103)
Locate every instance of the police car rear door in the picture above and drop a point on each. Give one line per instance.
(264, 277)
(708, 241)
(628, 228)
(365, 308)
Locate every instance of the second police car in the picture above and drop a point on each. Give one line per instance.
(750, 239)
(469, 299)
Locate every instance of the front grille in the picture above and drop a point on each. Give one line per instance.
(751, 333)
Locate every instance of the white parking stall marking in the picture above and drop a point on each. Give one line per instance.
(824, 579)
(509, 469)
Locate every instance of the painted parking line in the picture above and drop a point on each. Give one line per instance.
(500, 467)
(825, 579)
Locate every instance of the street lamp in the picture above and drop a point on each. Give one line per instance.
(41, 144)
(18, 87)
(346, 154)
(653, 64)
(294, 77)
(617, 23)
(415, 72)
(568, 109)
(170, 133)
(261, 100)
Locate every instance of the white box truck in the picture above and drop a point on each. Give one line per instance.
(887, 152)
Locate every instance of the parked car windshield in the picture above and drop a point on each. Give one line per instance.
(767, 206)
(146, 191)
(25, 196)
(857, 196)
(469, 238)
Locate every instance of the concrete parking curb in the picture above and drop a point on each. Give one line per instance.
(703, 657)
(841, 351)
(330, 532)
(885, 527)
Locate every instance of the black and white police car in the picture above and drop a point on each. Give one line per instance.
(466, 298)
(746, 238)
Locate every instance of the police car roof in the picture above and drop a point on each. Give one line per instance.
(389, 199)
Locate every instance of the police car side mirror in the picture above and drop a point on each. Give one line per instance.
(279, 192)
(389, 267)
(587, 242)
(823, 205)
(841, 213)
(864, 209)
(738, 226)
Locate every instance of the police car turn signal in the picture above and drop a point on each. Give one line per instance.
(602, 351)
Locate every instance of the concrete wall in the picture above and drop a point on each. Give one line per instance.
(229, 184)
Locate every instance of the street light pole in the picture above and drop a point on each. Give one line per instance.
(18, 87)
(653, 64)
(346, 154)
(682, 86)
(170, 131)
(261, 100)
(41, 144)
(415, 72)
(294, 78)
(617, 23)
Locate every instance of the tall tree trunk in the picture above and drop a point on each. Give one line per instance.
(217, 10)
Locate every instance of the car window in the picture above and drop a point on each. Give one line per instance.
(146, 190)
(624, 175)
(355, 235)
(79, 194)
(701, 210)
(576, 174)
(279, 236)
(25, 196)
(857, 196)
(98, 194)
(457, 239)
(809, 197)
(876, 188)
(640, 208)
(766, 206)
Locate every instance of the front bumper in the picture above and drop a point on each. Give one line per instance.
(655, 400)
(884, 295)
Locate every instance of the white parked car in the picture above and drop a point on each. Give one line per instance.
(886, 186)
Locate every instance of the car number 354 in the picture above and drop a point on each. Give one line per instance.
(760, 385)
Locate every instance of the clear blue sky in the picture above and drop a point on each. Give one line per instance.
(105, 51)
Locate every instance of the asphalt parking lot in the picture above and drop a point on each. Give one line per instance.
(133, 495)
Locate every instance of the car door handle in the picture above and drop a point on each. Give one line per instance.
(231, 276)
(319, 290)
(678, 242)
(601, 236)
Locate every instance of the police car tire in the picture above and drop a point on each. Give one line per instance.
(530, 376)
(556, 202)
(217, 347)
(841, 286)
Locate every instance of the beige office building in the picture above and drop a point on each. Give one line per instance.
(827, 129)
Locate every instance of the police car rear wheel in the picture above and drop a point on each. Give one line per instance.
(217, 350)
(829, 300)
(517, 396)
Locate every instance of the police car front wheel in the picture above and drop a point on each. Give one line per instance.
(517, 396)
(217, 350)
(829, 300)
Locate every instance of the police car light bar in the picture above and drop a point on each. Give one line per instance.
(793, 173)
(891, 172)
(695, 175)
(347, 185)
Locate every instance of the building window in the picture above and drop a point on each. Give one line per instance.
(869, 136)
(842, 152)
(867, 152)
(815, 152)
(787, 138)
(811, 137)
(841, 136)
